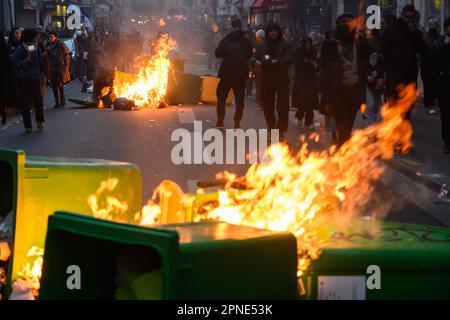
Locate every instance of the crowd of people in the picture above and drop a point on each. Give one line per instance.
(31, 60)
(337, 73)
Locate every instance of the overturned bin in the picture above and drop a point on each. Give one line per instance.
(184, 261)
(33, 188)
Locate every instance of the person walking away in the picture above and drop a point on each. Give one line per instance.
(28, 66)
(235, 50)
(443, 83)
(256, 69)
(429, 65)
(58, 68)
(305, 97)
(375, 81)
(401, 44)
(275, 60)
(353, 52)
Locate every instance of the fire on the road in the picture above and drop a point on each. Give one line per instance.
(308, 192)
(149, 89)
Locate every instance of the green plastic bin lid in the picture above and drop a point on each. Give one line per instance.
(391, 245)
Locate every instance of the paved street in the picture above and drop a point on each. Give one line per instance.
(143, 138)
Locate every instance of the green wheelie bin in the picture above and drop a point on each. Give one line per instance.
(411, 262)
(205, 261)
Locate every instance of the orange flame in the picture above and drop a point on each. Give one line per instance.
(149, 88)
(307, 192)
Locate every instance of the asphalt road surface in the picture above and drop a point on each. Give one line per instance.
(144, 138)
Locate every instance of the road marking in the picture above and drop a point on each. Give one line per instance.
(186, 116)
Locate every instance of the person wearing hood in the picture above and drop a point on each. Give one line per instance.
(275, 60)
(235, 50)
(352, 53)
(401, 44)
(28, 67)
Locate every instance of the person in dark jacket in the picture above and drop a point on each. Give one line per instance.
(28, 66)
(275, 61)
(350, 70)
(58, 67)
(235, 50)
(401, 44)
(305, 96)
(442, 82)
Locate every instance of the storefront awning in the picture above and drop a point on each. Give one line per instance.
(273, 6)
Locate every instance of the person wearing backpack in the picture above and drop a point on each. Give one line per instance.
(235, 50)
(58, 58)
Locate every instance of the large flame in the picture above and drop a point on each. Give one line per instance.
(307, 193)
(150, 86)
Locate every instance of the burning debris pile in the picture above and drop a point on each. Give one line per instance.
(308, 193)
(148, 89)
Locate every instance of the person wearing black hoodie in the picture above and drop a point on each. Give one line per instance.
(275, 61)
(401, 44)
(235, 50)
(347, 65)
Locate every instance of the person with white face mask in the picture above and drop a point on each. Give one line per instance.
(28, 66)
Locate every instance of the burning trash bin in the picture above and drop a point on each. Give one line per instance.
(32, 188)
(414, 261)
(184, 261)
